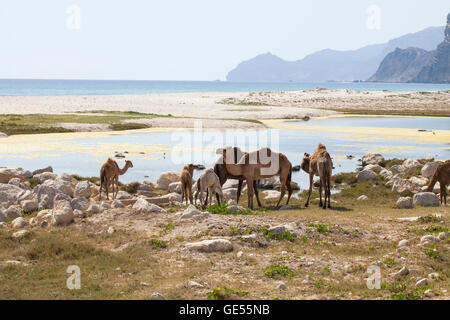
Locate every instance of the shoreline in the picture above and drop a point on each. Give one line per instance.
(243, 110)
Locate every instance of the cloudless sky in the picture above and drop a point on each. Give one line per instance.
(189, 39)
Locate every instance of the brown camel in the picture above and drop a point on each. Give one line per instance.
(442, 174)
(221, 171)
(109, 175)
(319, 164)
(4, 177)
(261, 164)
(186, 183)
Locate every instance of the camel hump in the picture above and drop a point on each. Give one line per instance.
(321, 146)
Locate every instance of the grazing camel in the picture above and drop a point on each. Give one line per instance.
(442, 174)
(109, 175)
(221, 171)
(186, 183)
(5, 177)
(319, 164)
(210, 181)
(261, 164)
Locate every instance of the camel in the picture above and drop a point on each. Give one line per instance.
(261, 164)
(210, 181)
(5, 177)
(224, 175)
(186, 183)
(319, 164)
(442, 174)
(109, 175)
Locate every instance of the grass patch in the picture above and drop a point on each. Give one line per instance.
(280, 236)
(275, 270)
(157, 244)
(223, 209)
(224, 293)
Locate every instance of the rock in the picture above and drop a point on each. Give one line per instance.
(422, 283)
(48, 169)
(81, 204)
(45, 193)
(403, 243)
(194, 284)
(372, 158)
(386, 174)
(29, 206)
(9, 194)
(239, 254)
(15, 182)
(282, 228)
(271, 194)
(13, 212)
(236, 208)
(62, 213)
(111, 230)
(433, 276)
(62, 183)
(166, 178)
(82, 190)
(215, 245)
(116, 204)
(232, 202)
(429, 169)
(366, 175)
(25, 195)
(268, 183)
(428, 239)
(420, 181)
(123, 195)
(286, 207)
(444, 235)
(281, 286)
(230, 193)
(174, 197)
(249, 237)
(143, 207)
(94, 207)
(396, 169)
(18, 222)
(17, 172)
(426, 199)
(158, 296)
(175, 187)
(374, 167)
(20, 234)
(42, 177)
(190, 212)
(429, 293)
(402, 272)
(410, 165)
(3, 217)
(405, 203)
(78, 213)
(362, 198)
(232, 183)
(104, 206)
(44, 224)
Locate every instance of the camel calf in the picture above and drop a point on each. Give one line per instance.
(319, 164)
(186, 183)
(442, 174)
(209, 181)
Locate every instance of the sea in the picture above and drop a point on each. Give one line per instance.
(30, 87)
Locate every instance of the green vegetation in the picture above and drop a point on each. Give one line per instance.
(224, 293)
(278, 270)
(280, 236)
(222, 209)
(157, 244)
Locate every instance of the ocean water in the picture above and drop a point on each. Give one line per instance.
(22, 87)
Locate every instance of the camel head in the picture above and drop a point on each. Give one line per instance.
(128, 164)
(305, 162)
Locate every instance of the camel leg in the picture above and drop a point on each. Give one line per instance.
(320, 192)
(210, 196)
(250, 193)
(239, 189)
(310, 188)
(283, 192)
(191, 198)
(106, 189)
(329, 190)
(256, 194)
(289, 188)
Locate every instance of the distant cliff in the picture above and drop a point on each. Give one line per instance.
(330, 64)
(438, 68)
(402, 65)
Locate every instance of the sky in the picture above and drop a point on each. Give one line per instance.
(190, 39)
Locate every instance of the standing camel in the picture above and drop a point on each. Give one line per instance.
(319, 164)
(109, 175)
(221, 171)
(186, 183)
(442, 174)
(210, 181)
(260, 164)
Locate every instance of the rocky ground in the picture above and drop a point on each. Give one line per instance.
(147, 245)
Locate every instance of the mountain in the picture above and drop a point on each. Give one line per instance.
(438, 68)
(330, 64)
(402, 65)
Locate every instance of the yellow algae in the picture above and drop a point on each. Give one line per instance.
(369, 133)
